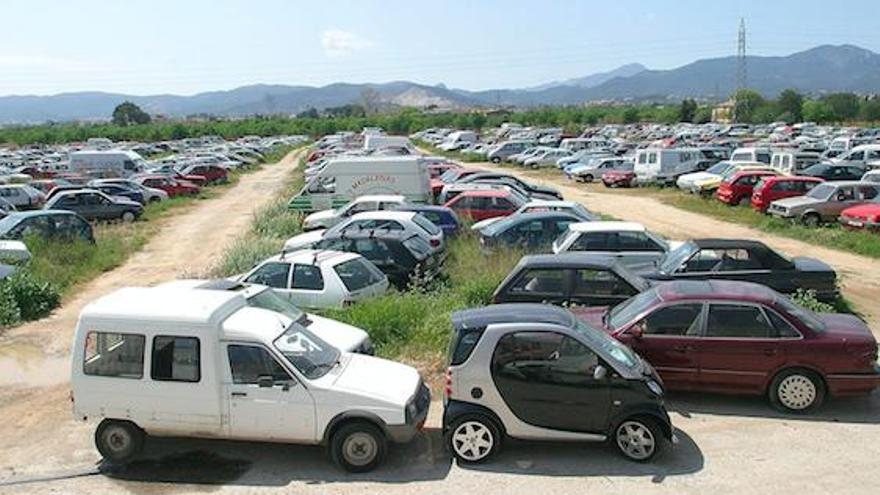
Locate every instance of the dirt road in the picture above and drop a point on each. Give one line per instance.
(860, 275)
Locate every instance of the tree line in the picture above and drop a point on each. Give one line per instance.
(130, 124)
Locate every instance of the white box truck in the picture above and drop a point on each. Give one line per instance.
(345, 178)
(203, 363)
(106, 163)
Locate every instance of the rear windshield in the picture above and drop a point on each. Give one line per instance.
(463, 344)
(426, 224)
(418, 247)
(358, 273)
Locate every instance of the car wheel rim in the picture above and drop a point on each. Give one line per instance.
(796, 392)
(635, 440)
(472, 441)
(360, 449)
(117, 440)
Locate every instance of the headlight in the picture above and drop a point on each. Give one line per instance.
(655, 387)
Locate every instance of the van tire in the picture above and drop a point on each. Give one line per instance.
(119, 441)
(358, 447)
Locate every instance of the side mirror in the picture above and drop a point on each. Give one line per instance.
(637, 330)
(599, 373)
(265, 382)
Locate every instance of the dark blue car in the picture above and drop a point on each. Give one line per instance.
(121, 190)
(441, 216)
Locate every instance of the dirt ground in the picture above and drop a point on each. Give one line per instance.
(727, 445)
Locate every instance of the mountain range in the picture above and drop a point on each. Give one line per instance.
(818, 70)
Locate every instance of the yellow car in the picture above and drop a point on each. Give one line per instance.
(709, 184)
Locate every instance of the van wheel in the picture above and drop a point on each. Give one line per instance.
(796, 391)
(812, 219)
(638, 438)
(128, 217)
(473, 438)
(358, 447)
(119, 441)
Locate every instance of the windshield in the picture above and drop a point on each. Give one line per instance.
(268, 299)
(306, 352)
(628, 310)
(610, 347)
(719, 168)
(676, 257)
(821, 192)
(805, 316)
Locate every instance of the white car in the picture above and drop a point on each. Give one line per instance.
(629, 242)
(546, 158)
(340, 335)
(328, 218)
(203, 363)
(686, 182)
(406, 221)
(871, 176)
(572, 207)
(319, 278)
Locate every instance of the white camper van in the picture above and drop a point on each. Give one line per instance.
(343, 179)
(374, 142)
(202, 363)
(458, 139)
(664, 165)
(106, 164)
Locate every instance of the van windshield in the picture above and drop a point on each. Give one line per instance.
(309, 354)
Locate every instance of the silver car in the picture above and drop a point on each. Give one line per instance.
(825, 201)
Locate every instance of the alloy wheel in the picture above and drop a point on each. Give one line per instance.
(472, 441)
(635, 440)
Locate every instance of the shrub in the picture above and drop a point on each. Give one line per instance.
(9, 312)
(243, 254)
(807, 299)
(34, 298)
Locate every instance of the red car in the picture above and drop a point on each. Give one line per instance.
(213, 174)
(450, 176)
(866, 216)
(618, 178)
(438, 169)
(738, 189)
(744, 338)
(170, 185)
(486, 203)
(780, 187)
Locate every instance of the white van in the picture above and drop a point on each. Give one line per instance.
(191, 363)
(749, 155)
(345, 178)
(578, 144)
(664, 165)
(374, 142)
(106, 164)
(502, 151)
(458, 139)
(791, 162)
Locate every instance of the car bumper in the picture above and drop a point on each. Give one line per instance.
(857, 223)
(421, 401)
(853, 384)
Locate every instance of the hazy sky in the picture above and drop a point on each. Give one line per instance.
(189, 46)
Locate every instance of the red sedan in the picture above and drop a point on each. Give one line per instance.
(171, 186)
(744, 338)
(772, 188)
(866, 216)
(618, 178)
(738, 189)
(486, 203)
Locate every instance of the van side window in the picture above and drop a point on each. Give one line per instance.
(247, 363)
(119, 355)
(175, 359)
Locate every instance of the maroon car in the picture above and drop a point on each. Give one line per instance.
(618, 178)
(744, 338)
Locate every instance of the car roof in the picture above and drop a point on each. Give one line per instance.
(536, 215)
(380, 197)
(731, 290)
(607, 226)
(37, 213)
(494, 192)
(167, 304)
(384, 215)
(804, 178)
(314, 256)
(479, 318)
(551, 203)
(568, 259)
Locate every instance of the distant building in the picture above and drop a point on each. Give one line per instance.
(723, 112)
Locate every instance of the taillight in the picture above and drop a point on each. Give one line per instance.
(448, 388)
(435, 242)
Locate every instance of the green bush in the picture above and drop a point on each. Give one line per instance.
(807, 299)
(35, 298)
(9, 313)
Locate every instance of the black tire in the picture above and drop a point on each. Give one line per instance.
(638, 438)
(744, 201)
(796, 391)
(588, 178)
(496, 160)
(128, 217)
(119, 441)
(811, 220)
(473, 438)
(358, 447)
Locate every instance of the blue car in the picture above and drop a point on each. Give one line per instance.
(123, 191)
(441, 216)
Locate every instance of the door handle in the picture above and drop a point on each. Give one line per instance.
(239, 394)
(770, 352)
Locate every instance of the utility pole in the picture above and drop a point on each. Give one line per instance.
(741, 76)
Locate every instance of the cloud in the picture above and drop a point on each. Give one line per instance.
(338, 43)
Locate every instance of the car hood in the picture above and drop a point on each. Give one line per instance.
(303, 241)
(485, 223)
(378, 378)
(795, 202)
(322, 216)
(339, 335)
(804, 264)
(865, 210)
(696, 176)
